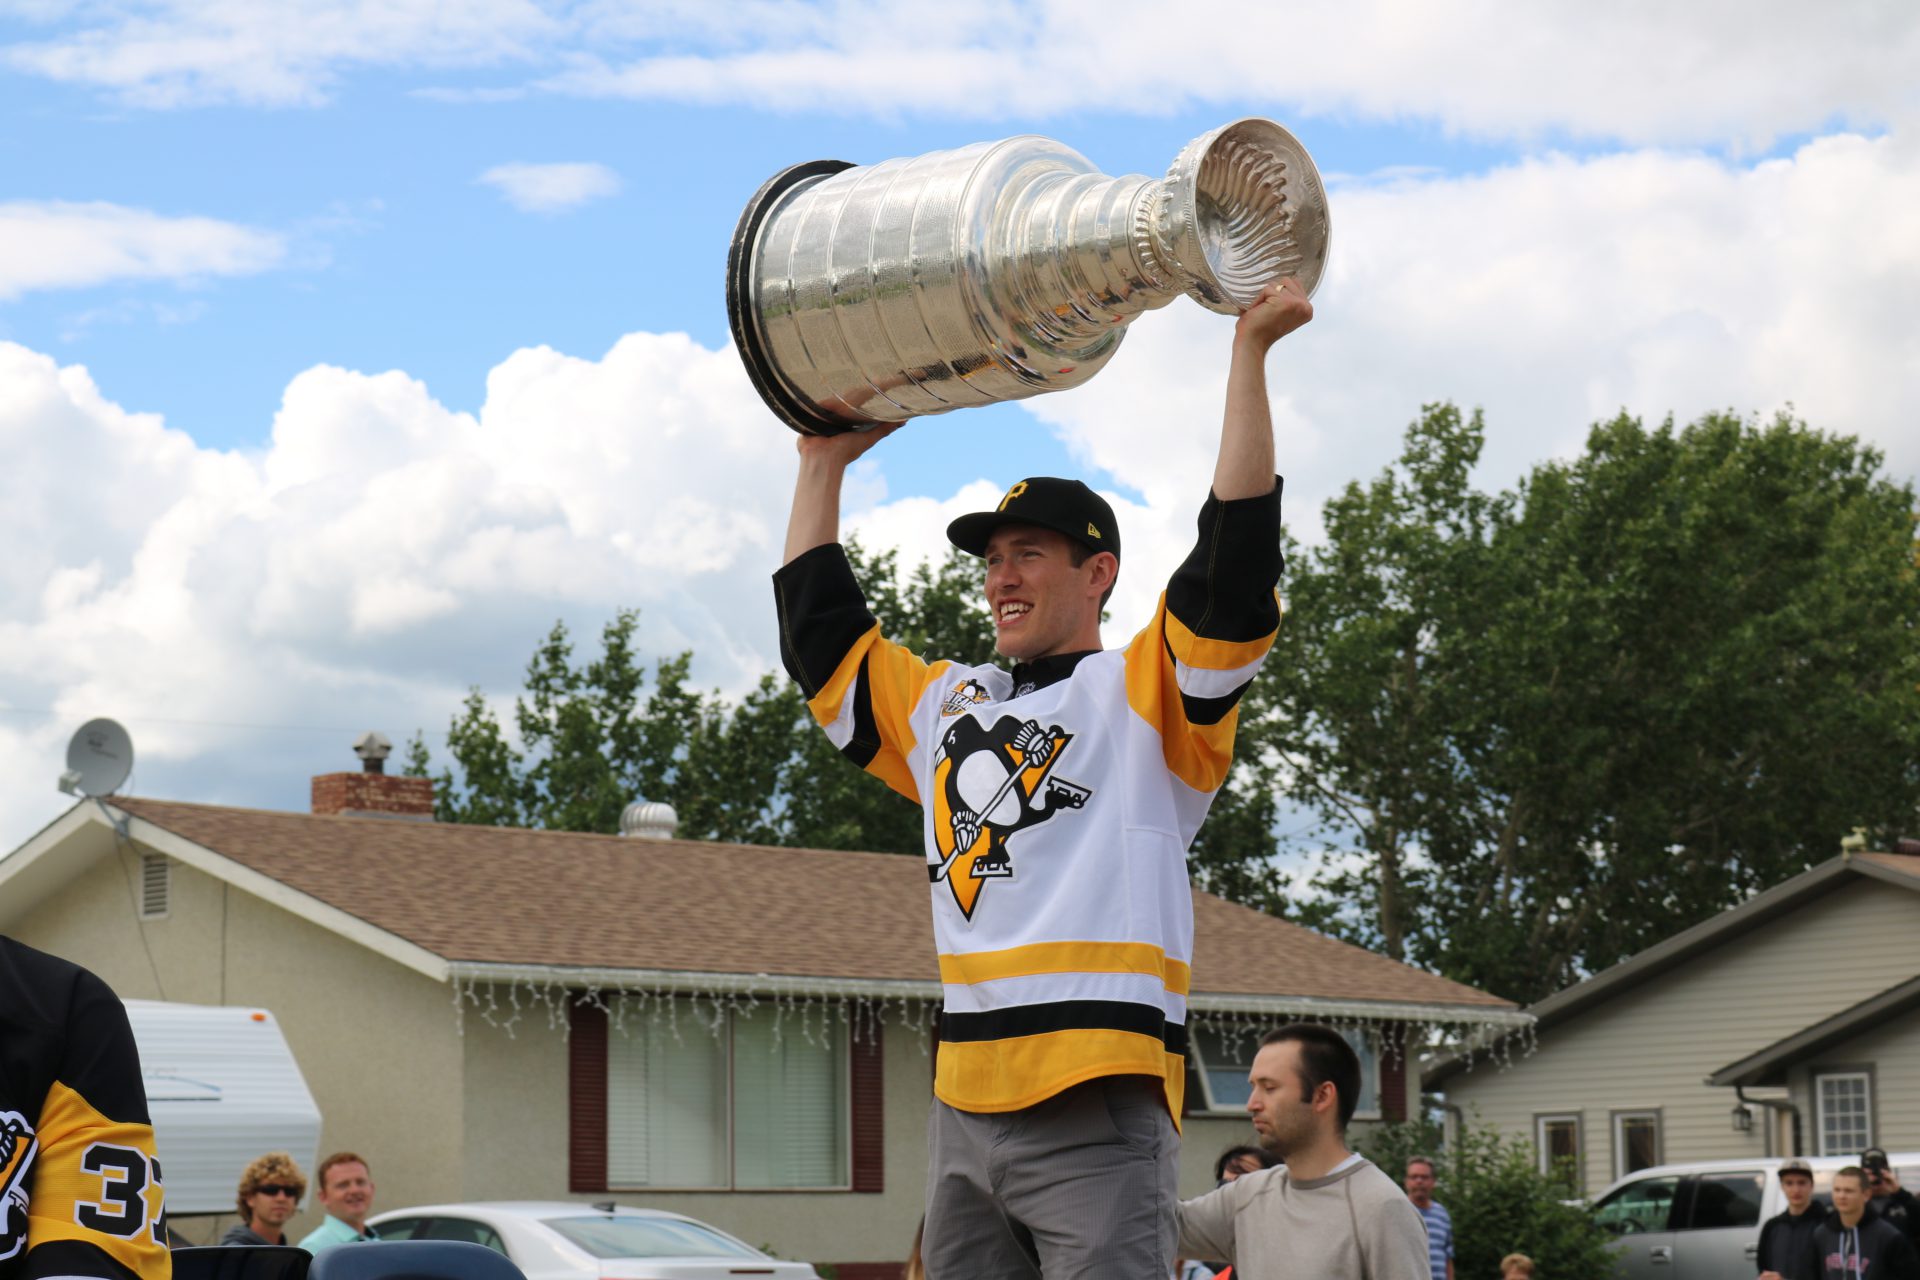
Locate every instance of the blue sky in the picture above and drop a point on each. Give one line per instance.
(314, 424)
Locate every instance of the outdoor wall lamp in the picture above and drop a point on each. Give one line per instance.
(1743, 1119)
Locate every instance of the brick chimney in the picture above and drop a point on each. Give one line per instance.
(372, 793)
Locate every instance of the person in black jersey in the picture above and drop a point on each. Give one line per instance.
(80, 1193)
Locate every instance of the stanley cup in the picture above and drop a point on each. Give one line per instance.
(874, 294)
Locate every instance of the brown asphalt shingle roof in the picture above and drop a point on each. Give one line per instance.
(508, 896)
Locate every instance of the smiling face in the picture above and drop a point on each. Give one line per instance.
(348, 1192)
(1042, 603)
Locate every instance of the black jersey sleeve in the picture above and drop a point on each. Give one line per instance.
(83, 1194)
(861, 687)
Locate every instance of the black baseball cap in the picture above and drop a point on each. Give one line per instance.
(1873, 1158)
(1064, 506)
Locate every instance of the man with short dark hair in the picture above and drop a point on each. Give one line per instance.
(1060, 800)
(1786, 1241)
(346, 1193)
(269, 1194)
(1854, 1244)
(1439, 1222)
(1234, 1161)
(1325, 1213)
(1893, 1202)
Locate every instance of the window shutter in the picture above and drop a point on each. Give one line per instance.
(586, 1097)
(1393, 1074)
(869, 1110)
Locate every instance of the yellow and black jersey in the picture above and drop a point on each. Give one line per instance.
(79, 1182)
(1060, 799)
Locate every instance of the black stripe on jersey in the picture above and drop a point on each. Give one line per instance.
(864, 745)
(1224, 588)
(1210, 710)
(60, 1022)
(1064, 1015)
(74, 1258)
(822, 614)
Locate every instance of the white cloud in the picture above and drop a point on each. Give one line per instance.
(551, 188)
(1554, 293)
(178, 53)
(1639, 72)
(58, 244)
(378, 556)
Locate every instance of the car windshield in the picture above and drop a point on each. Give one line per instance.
(631, 1237)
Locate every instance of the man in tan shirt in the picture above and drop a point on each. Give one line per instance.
(1324, 1213)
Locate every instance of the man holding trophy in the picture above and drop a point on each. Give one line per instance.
(1060, 796)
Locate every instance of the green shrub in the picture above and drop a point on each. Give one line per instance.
(1499, 1201)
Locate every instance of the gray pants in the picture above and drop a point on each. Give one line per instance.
(1079, 1187)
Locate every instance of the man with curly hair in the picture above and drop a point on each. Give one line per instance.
(269, 1194)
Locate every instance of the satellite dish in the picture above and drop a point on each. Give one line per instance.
(98, 759)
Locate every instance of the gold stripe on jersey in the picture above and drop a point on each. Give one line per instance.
(1197, 754)
(96, 1182)
(1007, 1075)
(894, 679)
(1066, 957)
(1213, 655)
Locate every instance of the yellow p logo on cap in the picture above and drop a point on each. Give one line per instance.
(1012, 493)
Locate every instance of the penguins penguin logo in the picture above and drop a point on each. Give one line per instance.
(991, 781)
(18, 1145)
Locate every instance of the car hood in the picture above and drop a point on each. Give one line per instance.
(704, 1269)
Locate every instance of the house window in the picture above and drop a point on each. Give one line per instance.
(1223, 1055)
(1557, 1139)
(719, 1100)
(1636, 1141)
(1844, 1100)
(156, 881)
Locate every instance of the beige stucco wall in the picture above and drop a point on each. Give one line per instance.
(1652, 1046)
(375, 1041)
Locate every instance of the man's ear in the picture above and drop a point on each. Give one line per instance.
(1105, 568)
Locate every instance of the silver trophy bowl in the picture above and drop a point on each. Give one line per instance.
(872, 294)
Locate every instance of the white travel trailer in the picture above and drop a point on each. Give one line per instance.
(223, 1088)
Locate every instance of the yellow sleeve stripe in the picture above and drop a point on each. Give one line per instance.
(1066, 957)
(94, 1170)
(1197, 754)
(1212, 655)
(827, 704)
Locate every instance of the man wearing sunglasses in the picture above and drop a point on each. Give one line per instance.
(270, 1192)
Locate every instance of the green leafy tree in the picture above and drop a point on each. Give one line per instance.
(1551, 726)
(1499, 1202)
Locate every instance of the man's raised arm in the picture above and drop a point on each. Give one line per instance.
(815, 518)
(1245, 467)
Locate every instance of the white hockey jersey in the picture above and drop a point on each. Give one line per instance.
(1060, 800)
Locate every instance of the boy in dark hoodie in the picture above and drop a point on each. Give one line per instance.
(1854, 1244)
(1786, 1241)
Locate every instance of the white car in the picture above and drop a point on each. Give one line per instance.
(564, 1240)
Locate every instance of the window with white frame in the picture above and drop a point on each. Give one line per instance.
(1557, 1140)
(1844, 1103)
(702, 1099)
(1223, 1055)
(1636, 1141)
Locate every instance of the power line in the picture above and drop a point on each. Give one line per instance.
(206, 724)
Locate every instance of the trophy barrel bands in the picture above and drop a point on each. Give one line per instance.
(996, 271)
(797, 413)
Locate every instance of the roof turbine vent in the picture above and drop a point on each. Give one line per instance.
(649, 820)
(373, 748)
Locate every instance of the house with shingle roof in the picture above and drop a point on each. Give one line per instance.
(1788, 1025)
(740, 1033)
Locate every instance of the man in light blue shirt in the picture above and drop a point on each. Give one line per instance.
(1419, 1183)
(346, 1193)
